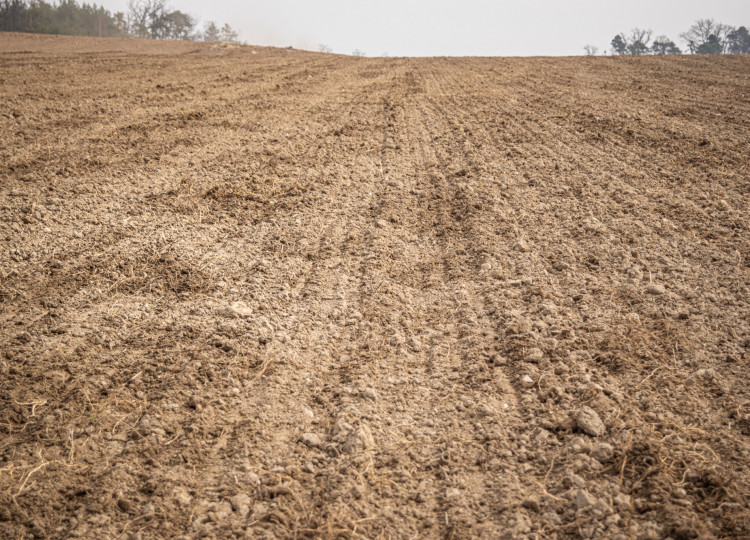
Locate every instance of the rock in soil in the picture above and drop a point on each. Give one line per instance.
(360, 440)
(589, 422)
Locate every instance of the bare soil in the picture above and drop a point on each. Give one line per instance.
(265, 293)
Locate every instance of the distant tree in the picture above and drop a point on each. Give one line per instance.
(179, 25)
(638, 42)
(145, 18)
(663, 45)
(228, 34)
(591, 50)
(619, 45)
(154, 19)
(357, 52)
(635, 44)
(211, 32)
(42, 18)
(121, 23)
(712, 46)
(700, 35)
(13, 13)
(138, 18)
(158, 19)
(738, 41)
(63, 17)
(324, 48)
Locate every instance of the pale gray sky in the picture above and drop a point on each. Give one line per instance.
(452, 27)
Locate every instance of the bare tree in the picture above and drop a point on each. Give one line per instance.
(357, 52)
(138, 17)
(324, 48)
(591, 50)
(663, 45)
(228, 34)
(158, 16)
(638, 41)
(700, 35)
(179, 25)
(635, 44)
(212, 32)
(619, 44)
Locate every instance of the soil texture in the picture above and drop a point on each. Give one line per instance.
(249, 292)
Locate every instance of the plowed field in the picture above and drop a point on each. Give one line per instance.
(265, 293)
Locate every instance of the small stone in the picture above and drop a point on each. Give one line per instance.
(415, 344)
(23, 337)
(181, 496)
(452, 493)
(312, 440)
(145, 423)
(527, 381)
(381, 223)
(368, 393)
(633, 318)
(518, 326)
(241, 504)
(546, 424)
(220, 512)
(357, 492)
(360, 439)
(99, 520)
(531, 503)
(521, 245)
(613, 519)
(534, 355)
(574, 480)
(592, 225)
(589, 422)
(484, 410)
(655, 289)
(584, 499)
(251, 478)
(309, 468)
(236, 310)
(195, 403)
(124, 505)
(602, 452)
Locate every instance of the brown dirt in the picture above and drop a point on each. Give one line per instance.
(251, 292)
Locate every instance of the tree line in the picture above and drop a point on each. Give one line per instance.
(152, 19)
(706, 36)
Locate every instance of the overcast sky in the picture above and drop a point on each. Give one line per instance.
(454, 27)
